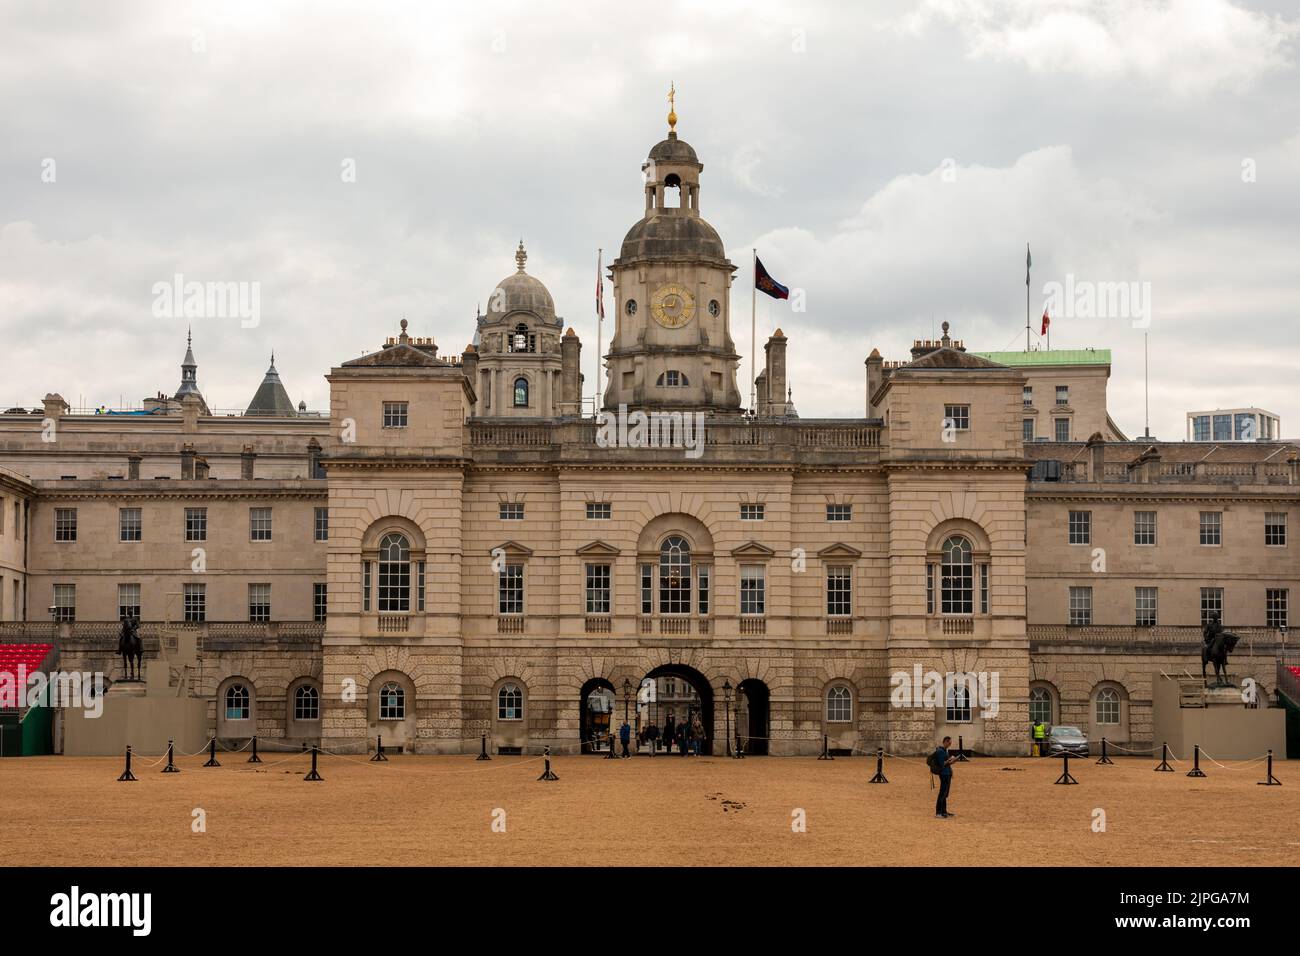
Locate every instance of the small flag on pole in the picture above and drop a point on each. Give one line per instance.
(1047, 321)
(765, 283)
(600, 288)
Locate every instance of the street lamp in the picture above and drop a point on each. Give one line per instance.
(726, 691)
(627, 694)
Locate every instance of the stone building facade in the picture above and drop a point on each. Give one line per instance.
(446, 554)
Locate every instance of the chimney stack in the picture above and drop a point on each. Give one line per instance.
(570, 374)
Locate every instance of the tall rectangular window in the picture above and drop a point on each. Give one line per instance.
(419, 586)
(510, 589)
(702, 573)
(1145, 607)
(839, 591)
(929, 589)
(1223, 428)
(647, 589)
(365, 585)
(65, 602)
(1144, 527)
(599, 510)
(1211, 527)
(1211, 604)
(957, 417)
(1080, 527)
(128, 601)
(984, 588)
(196, 603)
(1275, 529)
(322, 524)
(259, 603)
(1201, 428)
(1062, 429)
(130, 524)
(1026, 429)
(319, 601)
(65, 524)
(1063, 395)
(752, 589)
(259, 524)
(1027, 395)
(1080, 606)
(196, 524)
(1276, 601)
(598, 588)
(395, 414)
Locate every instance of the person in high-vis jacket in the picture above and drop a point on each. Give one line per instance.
(1040, 739)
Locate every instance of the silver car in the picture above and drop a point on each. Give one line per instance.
(1067, 740)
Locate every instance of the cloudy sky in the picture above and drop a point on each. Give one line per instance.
(889, 159)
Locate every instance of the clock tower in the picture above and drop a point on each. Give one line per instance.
(672, 345)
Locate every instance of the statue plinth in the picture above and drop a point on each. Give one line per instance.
(1224, 697)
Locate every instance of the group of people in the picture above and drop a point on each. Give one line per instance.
(687, 736)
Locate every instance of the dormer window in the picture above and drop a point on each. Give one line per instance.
(672, 379)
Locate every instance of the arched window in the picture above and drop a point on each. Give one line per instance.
(1040, 705)
(675, 576)
(1108, 706)
(306, 703)
(510, 702)
(392, 702)
(839, 705)
(237, 707)
(521, 340)
(957, 577)
(521, 392)
(958, 704)
(394, 573)
(672, 379)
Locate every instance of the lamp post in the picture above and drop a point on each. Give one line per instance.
(726, 691)
(627, 695)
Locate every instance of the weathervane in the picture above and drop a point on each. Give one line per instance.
(672, 113)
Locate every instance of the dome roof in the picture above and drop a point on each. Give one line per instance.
(521, 293)
(674, 150)
(672, 237)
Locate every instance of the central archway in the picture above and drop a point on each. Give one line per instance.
(687, 693)
(753, 716)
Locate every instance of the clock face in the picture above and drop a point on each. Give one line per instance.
(672, 306)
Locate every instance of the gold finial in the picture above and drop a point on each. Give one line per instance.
(672, 112)
(520, 256)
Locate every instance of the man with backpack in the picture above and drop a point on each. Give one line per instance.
(941, 766)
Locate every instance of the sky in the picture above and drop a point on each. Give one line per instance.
(360, 163)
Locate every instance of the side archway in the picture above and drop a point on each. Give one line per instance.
(391, 711)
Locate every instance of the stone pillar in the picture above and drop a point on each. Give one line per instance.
(570, 374)
(201, 468)
(190, 409)
(469, 365)
(246, 460)
(1097, 457)
(775, 368)
(187, 462)
(133, 467)
(55, 406)
(875, 378)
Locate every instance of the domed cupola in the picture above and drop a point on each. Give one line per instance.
(521, 293)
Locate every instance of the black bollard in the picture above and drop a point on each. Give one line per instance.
(127, 775)
(1196, 770)
(1164, 760)
(171, 767)
(313, 775)
(880, 767)
(826, 753)
(379, 751)
(254, 758)
(482, 750)
(1270, 781)
(1065, 779)
(961, 750)
(547, 774)
(1104, 758)
(212, 754)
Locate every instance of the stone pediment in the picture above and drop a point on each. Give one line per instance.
(396, 356)
(514, 549)
(752, 549)
(839, 550)
(946, 358)
(600, 548)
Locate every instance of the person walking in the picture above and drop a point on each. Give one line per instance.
(1040, 738)
(697, 736)
(625, 735)
(941, 763)
(668, 733)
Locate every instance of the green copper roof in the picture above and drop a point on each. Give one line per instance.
(1054, 357)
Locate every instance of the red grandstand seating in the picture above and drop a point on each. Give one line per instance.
(30, 656)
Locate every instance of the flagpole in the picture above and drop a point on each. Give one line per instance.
(600, 324)
(753, 329)
(1028, 262)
